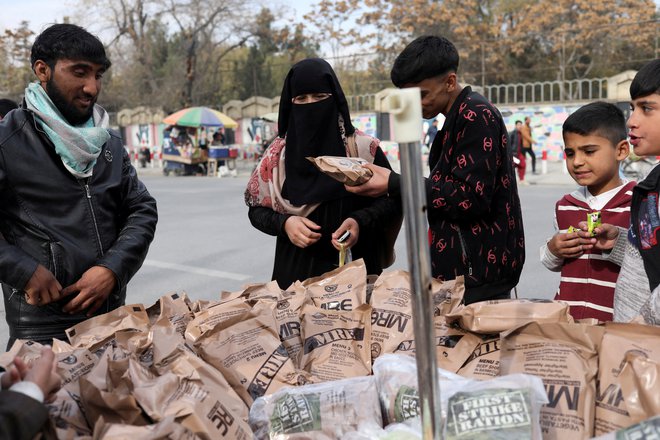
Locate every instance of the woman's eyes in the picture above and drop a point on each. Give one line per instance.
(312, 97)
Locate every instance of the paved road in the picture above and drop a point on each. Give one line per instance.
(205, 244)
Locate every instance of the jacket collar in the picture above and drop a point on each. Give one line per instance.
(651, 181)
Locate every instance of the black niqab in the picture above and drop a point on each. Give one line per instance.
(312, 130)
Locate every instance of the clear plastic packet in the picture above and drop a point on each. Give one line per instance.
(323, 411)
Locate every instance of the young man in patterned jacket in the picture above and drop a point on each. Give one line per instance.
(475, 222)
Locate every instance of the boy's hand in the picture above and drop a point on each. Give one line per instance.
(567, 245)
(604, 236)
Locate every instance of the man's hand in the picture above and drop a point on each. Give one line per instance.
(567, 245)
(301, 231)
(42, 288)
(604, 236)
(374, 187)
(43, 373)
(347, 225)
(15, 373)
(93, 288)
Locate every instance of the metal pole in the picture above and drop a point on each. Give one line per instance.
(405, 105)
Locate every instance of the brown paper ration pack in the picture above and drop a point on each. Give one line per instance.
(165, 429)
(105, 391)
(173, 307)
(248, 352)
(206, 320)
(640, 386)
(286, 312)
(29, 351)
(391, 314)
(335, 343)
(185, 364)
(453, 345)
(565, 356)
(620, 340)
(447, 295)
(322, 411)
(97, 329)
(488, 317)
(254, 292)
(347, 170)
(190, 401)
(344, 288)
(484, 362)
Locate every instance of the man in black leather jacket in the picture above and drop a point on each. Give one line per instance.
(75, 220)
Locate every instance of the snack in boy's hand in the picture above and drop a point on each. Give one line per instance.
(347, 170)
(593, 222)
(572, 229)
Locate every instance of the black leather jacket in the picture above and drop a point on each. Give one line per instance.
(49, 217)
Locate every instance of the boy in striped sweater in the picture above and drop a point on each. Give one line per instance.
(595, 143)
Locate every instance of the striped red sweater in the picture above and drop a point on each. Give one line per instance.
(587, 283)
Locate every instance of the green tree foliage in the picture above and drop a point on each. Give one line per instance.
(262, 66)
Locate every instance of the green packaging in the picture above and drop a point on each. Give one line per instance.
(593, 222)
(498, 413)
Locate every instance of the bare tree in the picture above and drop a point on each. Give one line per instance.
(162, 40)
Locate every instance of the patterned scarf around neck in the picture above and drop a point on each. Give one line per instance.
(265, 185)
(78, 146)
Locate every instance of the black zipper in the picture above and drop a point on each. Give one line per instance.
(464, 251)
(88, 195)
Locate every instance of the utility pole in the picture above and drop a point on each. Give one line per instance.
(562, 66)
(483, 68)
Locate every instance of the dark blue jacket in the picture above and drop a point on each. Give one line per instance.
(644, 230)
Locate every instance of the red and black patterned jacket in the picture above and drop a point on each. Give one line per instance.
(475, 222)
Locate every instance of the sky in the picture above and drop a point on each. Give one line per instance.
(41, 13)
(37, 12)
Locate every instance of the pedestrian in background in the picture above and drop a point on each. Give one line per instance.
(528, 141)
(517, 155)
(431, 132)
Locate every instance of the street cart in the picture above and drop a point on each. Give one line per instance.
(186, 144)
(181, 153)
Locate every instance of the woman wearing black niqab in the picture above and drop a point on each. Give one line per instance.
(290, 198)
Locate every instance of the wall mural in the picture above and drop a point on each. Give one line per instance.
(365, 122)
(143, 135)
(546, 122)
